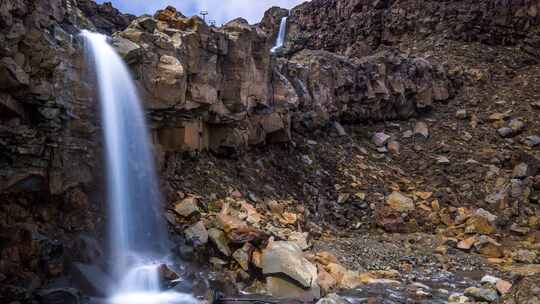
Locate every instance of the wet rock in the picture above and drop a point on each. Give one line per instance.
(166, 274)
(482, 294)
(284, 289)
(197, 234)
(91, 279)
(130, 51)
(186, 207)
(399, 202)
(332, 299)
(421, 130)
(380, 139)
(219, 238)
(60, 296)
(286, 258)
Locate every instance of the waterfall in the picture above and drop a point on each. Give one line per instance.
(281, 35)
(137, 234)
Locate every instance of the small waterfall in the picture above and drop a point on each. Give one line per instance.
(281, 35)
(137, 233)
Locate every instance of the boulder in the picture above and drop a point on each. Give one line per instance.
(197, 234)
(186, 207)
(286, 258)
(399, 202)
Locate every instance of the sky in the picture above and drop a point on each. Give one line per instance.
(219, 10)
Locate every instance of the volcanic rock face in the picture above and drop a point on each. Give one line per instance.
(225, 83)
(357, 27)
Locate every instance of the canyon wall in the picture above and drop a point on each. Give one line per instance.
(204, 88)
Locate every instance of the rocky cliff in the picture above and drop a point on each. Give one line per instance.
(219, 89)
(225, 83)
(357, 28)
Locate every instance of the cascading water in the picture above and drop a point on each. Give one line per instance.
(281, 35)
(137, 234)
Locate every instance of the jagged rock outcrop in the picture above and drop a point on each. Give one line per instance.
(221, 88)
(380, 87)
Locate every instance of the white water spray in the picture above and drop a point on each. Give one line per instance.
(280, 41)
(137, 234)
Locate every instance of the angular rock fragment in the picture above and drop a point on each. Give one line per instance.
(286, 258)
(399, 202)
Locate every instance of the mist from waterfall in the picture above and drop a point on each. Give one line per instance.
(280, 41)
(138, 241)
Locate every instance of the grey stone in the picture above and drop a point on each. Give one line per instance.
(482, 294)
(532, 141)
(286, 258)
(505, 132)
(380, 139)
(332, 299)
(197, 234)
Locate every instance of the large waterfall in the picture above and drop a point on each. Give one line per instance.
(281, 35)
(137, 233)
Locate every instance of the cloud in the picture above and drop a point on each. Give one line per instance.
(219, 10)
